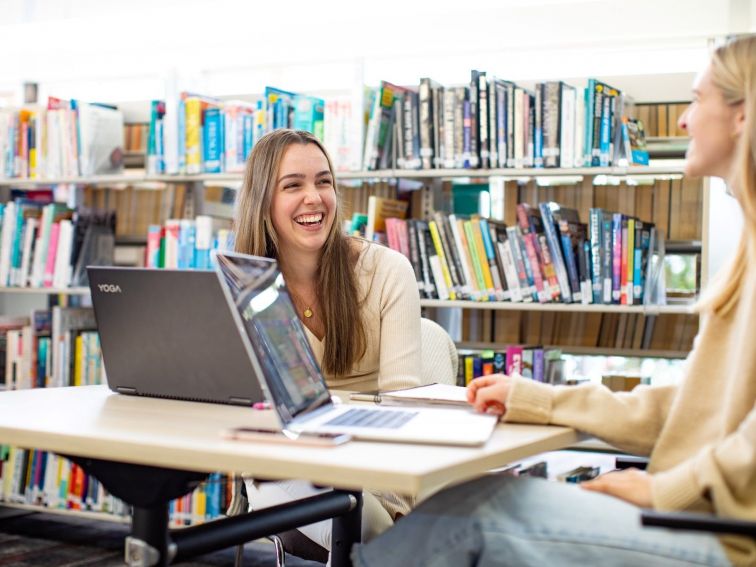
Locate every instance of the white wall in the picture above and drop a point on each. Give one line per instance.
(723, 228)
(117, 50)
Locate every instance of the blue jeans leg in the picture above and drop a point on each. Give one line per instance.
(499, 520)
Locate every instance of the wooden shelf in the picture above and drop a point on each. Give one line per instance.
(561, 307)
(46, 290)
(666, 169)
(586, 350)
(141, 177)
(68, 512)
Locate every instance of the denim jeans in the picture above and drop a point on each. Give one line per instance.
(498, 520)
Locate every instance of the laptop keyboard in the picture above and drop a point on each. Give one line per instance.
(373, 418)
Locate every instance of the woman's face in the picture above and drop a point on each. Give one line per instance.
(713, 127)
(303, 206)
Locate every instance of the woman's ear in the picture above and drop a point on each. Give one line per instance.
(739, 119)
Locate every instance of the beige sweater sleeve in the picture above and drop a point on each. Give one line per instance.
(720, 477)
(400, 324)
(630, 421)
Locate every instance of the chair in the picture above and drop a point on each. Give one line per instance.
(686, 520)
(440, 362)
(698, 522)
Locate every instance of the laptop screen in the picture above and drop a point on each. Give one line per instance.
(275, 332)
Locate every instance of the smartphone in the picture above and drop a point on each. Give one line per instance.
(287, 437)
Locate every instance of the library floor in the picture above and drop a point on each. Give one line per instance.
(31, 539)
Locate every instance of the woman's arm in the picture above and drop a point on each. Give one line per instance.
(400, 357)
(630, 421)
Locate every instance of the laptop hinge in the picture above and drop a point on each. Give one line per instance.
(240, 401)
(126, 390)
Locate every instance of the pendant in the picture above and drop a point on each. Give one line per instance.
(307, 313)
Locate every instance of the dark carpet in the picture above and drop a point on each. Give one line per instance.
(46, 540)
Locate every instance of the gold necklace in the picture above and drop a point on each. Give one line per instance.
(307, 312)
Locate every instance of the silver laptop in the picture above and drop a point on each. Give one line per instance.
(169, 334)
(283, 361)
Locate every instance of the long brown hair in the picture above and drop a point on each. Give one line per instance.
(733, 72)
(336, 284)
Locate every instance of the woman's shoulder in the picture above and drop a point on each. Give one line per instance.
(376, 256)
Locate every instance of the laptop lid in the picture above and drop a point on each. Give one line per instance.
(280, 350)
(276, 336)
(170, 334)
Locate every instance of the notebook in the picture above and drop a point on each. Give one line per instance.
(170, 334)
(289, 374)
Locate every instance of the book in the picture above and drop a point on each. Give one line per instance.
(634, 138)
(100, 139)
(379, 209)
(431, 394)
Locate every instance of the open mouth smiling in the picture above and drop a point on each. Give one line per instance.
(310, 219)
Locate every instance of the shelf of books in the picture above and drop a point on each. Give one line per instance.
(134, 177)
(46, 290)
(584, 350)
(560, 307)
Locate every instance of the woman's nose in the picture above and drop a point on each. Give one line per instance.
(312, 195)
(682, 122)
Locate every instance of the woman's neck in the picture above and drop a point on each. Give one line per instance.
(299, 269)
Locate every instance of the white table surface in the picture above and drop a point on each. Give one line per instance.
(92, 421)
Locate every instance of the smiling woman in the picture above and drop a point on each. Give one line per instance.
(357, 300)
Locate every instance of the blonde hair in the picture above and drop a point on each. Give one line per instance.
(336, 285)
(733, 72)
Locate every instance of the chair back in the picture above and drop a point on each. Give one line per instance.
(439, 354)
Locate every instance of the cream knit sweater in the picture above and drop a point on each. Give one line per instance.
(391, 310)
(700, 435)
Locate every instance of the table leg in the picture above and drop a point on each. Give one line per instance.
(148, 543)
(346, 531)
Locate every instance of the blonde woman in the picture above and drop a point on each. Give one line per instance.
(700, 435)
(358, 301)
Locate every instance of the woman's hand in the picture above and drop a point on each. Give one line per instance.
(631, 485)
(488, 394)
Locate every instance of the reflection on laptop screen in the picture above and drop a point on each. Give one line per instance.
(276, 333)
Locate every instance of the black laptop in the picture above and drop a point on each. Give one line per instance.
(170, 334)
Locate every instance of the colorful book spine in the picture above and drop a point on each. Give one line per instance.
(531, 249)
(475, 258)
(595, 234)
(516, 250)
(52, 250)
(616, 256)
(514, 360)
(203, 242)
(493, 268)
(193, 134)
(152, 253)
(444, 266)
(607, 253)
(552, 238)
(212, 137)
(630, 246)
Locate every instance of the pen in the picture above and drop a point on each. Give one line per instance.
(365, 397)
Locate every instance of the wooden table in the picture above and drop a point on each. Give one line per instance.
(93, 422)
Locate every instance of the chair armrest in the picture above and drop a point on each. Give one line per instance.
(697, 522)
(630, 461)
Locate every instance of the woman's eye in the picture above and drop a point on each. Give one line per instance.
(291, 185)
(325, 182)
